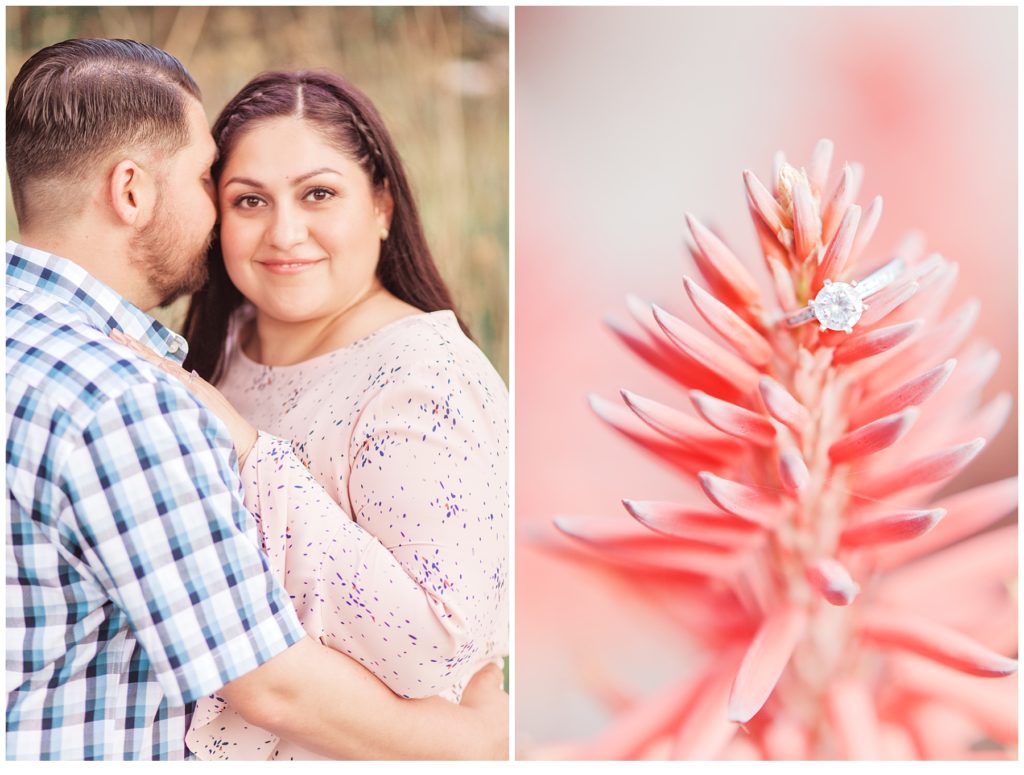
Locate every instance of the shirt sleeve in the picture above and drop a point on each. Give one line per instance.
(429, 479)
(155, 509)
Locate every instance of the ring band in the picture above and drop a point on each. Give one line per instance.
(838, 305)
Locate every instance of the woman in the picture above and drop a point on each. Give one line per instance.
(326, 323)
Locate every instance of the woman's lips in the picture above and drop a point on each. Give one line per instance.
(288, 267)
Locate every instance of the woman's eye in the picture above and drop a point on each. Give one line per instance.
(319, 194)
(248, 202)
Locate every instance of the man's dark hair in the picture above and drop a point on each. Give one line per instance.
(75, 102)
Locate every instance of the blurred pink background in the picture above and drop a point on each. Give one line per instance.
(625, 120)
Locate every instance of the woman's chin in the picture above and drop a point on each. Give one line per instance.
(290, 309)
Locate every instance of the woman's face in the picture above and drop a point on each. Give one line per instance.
(300, 222)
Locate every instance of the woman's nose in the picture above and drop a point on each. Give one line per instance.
(288, 228)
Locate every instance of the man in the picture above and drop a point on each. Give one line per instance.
(134, 582)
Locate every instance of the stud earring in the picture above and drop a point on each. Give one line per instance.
(383, 234)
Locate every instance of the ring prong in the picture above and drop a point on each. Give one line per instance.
(848, 329)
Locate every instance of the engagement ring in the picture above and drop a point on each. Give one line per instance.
(838, 306)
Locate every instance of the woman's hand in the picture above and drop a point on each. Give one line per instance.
(242, 433)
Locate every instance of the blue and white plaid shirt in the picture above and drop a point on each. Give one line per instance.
(134, 581)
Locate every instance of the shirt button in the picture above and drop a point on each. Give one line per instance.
(173, 346)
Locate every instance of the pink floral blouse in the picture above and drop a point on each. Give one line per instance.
(407, 431)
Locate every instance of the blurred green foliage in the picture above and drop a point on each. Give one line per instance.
(439, 76)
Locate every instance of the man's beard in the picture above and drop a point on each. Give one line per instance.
(171, 265)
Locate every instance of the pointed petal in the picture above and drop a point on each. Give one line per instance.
(689, 432)
(673, 519)
(649, 353)
(778, 162)
(730, 326)
(934, 344)
(764, 662)
(764, 203)
(987, 559)
(609, 531)
(851, 710)
(872, 437)
(782, 406)
(912, 393)
(773, 245)
(967, 513)
(910, 632)
(931, 469)
(977, 365)
(627, 424)
(782, 282)
(734, 420)
(842, 198)
(990, 420)
(901, 526)
(664, 556)
(992, 704)
(936, 282)
(706, 729)
(759, 506)
(650, 718)
(969, 586)
(832, 580)
(694, 344)
(886, 301)
(834, 261)
(859, 346)
(806, 223)
(678, 365)
(793, 470)
(821, 160)
(724, 264)
(868, 224)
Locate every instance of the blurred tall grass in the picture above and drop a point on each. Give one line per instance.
(439, 77)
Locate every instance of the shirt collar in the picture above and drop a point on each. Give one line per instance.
(35, 270)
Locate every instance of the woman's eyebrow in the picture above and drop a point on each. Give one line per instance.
(296, 181)
(318, 171)
(244, 182)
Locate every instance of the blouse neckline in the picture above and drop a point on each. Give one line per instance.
(444, 315)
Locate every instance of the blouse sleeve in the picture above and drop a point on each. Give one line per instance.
(408, 610)
(429, 479)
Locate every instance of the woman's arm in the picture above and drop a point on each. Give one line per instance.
(349, 590)
(439, 431)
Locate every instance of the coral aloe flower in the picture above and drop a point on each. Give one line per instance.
(843, 612)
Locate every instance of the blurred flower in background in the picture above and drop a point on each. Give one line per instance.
(439, 77)
(615, 141)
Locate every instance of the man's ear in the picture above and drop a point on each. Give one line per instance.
(132, 193)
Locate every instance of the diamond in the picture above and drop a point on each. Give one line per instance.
(837, 306)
